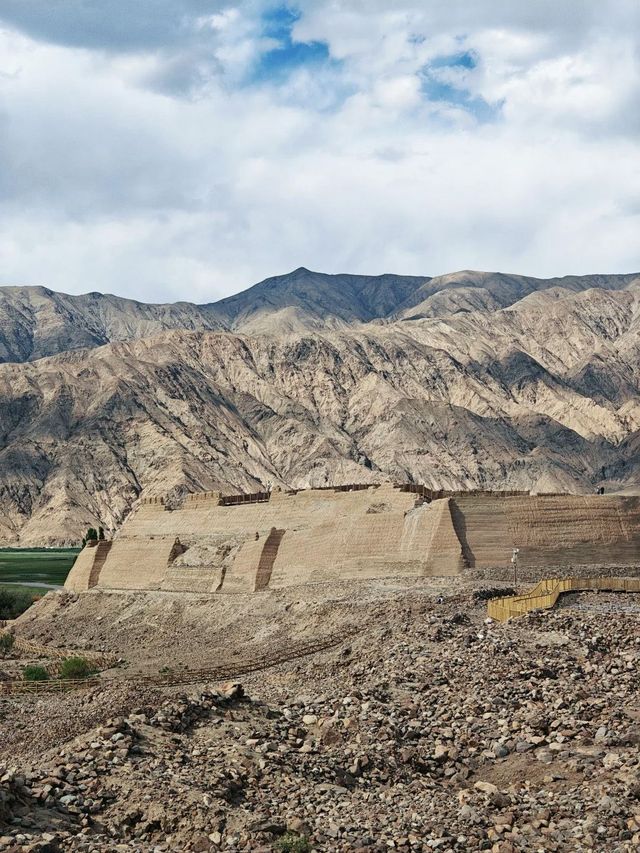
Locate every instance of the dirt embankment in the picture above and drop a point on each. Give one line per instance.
(156, 629)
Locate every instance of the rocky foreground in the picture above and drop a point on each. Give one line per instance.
(431, 730)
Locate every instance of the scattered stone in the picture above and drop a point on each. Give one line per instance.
(522, 738)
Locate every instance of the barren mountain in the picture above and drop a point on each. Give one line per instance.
(470, 290)
(36, 322)
(306, 299)
(543, 394)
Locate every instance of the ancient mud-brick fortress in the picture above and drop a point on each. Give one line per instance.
(248, 543)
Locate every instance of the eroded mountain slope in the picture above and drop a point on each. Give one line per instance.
(501, 400)
(36, 322)
(474, 290)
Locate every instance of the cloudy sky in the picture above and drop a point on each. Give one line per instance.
(184, 149)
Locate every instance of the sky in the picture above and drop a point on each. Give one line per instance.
(186, 149)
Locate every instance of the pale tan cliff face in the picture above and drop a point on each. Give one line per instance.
(542, 394)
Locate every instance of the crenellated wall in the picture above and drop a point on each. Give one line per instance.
(250, 543)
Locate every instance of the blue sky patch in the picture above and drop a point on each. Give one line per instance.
(276, 64)
(439, 86)
(278, 22)
(466, 59)
(439, 91)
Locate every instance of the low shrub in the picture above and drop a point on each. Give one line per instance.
(493, 592)
(6, 644)
(291, 843)
(14, 602)
(73, 668)
(34, 672)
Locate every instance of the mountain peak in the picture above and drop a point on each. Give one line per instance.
(40, 322)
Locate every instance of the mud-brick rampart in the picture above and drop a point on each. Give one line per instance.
(251, 543)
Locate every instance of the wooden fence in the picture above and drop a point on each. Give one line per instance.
(253, 498)
(36, 650)
(546, 593)
(439, 494)
(221, 672)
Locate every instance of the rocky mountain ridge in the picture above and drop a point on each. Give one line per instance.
(36, 322)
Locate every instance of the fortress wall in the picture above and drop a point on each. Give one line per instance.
(342, 548)
(482, 527)
(444, 550)
(79, 577)
(360, 568)
(201, 517)
(574, 529)
(137, 564)
(268, 558)
(242, 575)
(197, 518)
(322, 550)
(87, 567)
(326, 535)
(387, 541)
(417, 532)
(192, 579)
(145, 520)
(546, 521)
(548, 529)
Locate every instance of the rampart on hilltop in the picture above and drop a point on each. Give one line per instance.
(249, 543)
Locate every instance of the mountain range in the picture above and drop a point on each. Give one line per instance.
(468, 380)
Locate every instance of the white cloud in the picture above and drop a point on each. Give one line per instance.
(120, 173)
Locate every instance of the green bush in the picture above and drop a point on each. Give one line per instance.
(76, 668)
(13, 602)
(493, 592)
(291, 843)
(6, 644)
(34, 672)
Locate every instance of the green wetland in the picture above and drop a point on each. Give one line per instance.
(37, 569)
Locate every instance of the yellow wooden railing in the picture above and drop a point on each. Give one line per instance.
(546, 592)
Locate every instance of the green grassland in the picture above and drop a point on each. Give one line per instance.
(29, 566)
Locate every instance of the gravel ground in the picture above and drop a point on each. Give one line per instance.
(431, 729)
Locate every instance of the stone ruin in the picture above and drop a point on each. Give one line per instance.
(250, 543)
